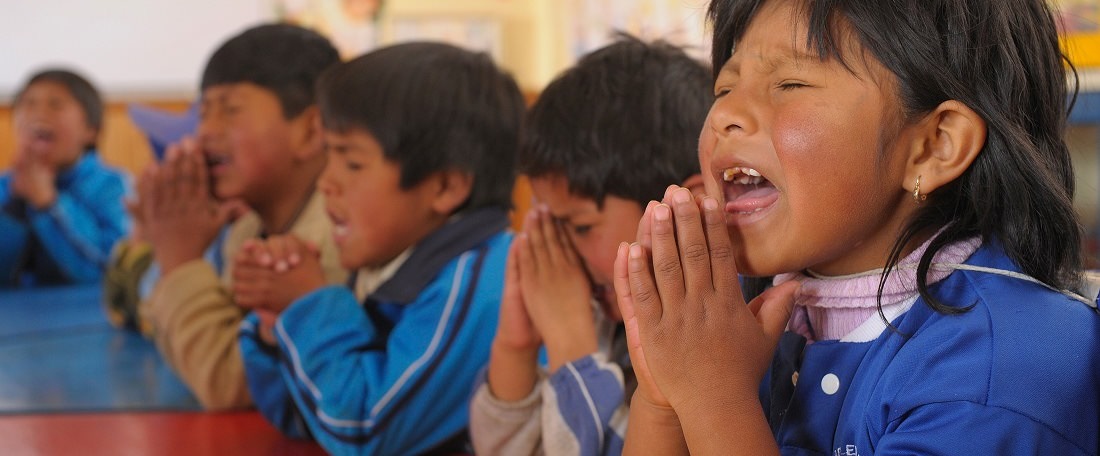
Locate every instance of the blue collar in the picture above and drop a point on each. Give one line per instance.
(436, 250)
(83, 165)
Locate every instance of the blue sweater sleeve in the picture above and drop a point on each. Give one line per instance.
(82, 225)
(589, 396)
(266, 382)
(367, 391)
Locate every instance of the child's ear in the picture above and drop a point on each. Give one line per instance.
(452, 189)
(948, 141)
(306, 134)
(694, 183)
(89, 135)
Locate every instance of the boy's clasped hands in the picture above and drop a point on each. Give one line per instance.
(270, 274)
(32, 179)
(547, 296)
(175, 210)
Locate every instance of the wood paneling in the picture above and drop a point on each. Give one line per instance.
(121, 143)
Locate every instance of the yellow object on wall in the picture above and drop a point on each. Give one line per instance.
(1079, 21)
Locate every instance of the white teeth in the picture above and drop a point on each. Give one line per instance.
(741, 175)
(339, 230)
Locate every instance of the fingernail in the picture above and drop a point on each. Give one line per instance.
(265, 259)
(294, 258)
(281, 266)
(681, 195)
(709, 203)
(662, 213)
(635, 251)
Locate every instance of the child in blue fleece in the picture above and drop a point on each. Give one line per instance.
(421, 140)
(61, 208)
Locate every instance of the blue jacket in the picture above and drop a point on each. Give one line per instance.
(1019, 373)
(70, 241)
(391, 375)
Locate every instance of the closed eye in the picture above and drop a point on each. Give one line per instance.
(790, 85)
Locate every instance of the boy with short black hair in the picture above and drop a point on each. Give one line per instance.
(259, 142)
(604, 138)
(422, 139)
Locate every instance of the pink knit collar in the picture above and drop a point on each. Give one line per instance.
(835, 305)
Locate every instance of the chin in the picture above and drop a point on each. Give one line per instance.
(747, 267)
(347, 263)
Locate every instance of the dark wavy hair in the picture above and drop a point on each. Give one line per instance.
(622, 105)
(1000, 58)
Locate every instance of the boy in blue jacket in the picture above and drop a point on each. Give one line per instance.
(421, 139)
(61, 208)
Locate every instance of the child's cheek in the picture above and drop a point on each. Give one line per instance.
(707, 143)
(799, 137)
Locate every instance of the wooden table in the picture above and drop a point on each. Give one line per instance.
(151, 433)
(72, 384)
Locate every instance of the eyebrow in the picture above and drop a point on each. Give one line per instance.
(771, 64)
(339, 148)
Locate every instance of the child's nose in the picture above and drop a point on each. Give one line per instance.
(732, 115)
(325, 182)
(208, 131)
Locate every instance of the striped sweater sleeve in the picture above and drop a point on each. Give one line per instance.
(584, 411)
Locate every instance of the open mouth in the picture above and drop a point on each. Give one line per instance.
(214, 160)
(216, 164)
(42, 134)
(747, 191)
(339, 227)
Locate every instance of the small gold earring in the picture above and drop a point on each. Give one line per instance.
(917, 197)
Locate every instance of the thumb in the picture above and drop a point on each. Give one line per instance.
(773, 308)
(310, 247)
